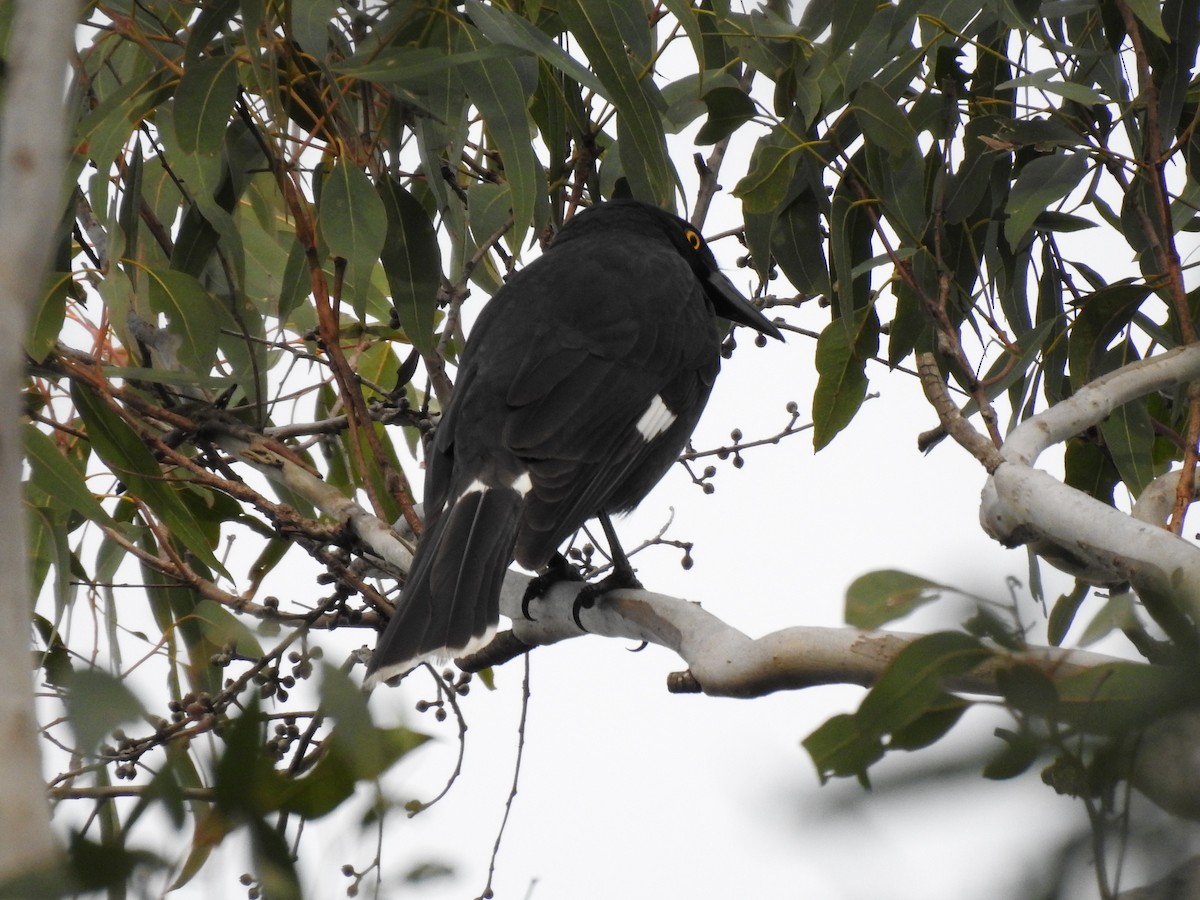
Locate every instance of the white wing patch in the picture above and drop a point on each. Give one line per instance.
(475, 486)
(522, 484)
(655, 420)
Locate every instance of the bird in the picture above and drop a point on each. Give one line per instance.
(579, 385)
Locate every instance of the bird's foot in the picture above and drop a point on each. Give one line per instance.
(558, 569)
(622, 578)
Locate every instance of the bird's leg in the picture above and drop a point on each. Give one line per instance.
(622, 575)
(558, 569)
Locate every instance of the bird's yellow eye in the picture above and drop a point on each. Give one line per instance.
(693, 238)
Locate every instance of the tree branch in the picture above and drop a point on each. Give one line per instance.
(1095, 401)
(1073, 531)
(724, 662)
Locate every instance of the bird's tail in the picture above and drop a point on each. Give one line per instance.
(451, 601)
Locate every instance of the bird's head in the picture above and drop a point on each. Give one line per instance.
(727, 301)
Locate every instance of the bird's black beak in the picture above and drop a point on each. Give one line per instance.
(729, 303)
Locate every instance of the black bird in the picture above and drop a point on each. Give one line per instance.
(582, 380)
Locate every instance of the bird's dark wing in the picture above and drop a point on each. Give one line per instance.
(592, 360)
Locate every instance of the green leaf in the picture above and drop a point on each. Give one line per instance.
(1114, 697)
(1129, 436)
(1103, 315)
(55, 659)
(1044, 80)
(640, 140)
(411, 261)
(498, 94)
(102, 133)
(1116, 613)
(310, 21)
(841, 375)
(728, 109)
(414, 65)
(913, 683)
(1020, 752)
(345, 702)
(203, 102)
(1028, 689)
(849, 20)
(98, 702)
(1042, 181)
(1150, 14)
(180, 763)
(353, 223)
(884, 123)
(851, 235)
(165, 376)
(46, 544)
(1051, 220)
(898, 179)
(245, 782)
(931, 726)
(125, 454)
(194, 316)
(874, 599)
(1090, 469)
(765, 185)
(1062, 614)
(690, 19)
(840, 748)
(1011, 367)
(487, 210)
(54, 474)
(46, 326)
(798, 245)
(355, 751)
(221, 628)
(500, 26)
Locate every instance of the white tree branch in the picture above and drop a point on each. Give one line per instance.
(33, 138)
(724, 662)
(1095, 401)
(1075, 532)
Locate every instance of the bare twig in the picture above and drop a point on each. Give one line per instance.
(512, 793)
(952, 419)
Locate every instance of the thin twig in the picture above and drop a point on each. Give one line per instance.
(487, 890)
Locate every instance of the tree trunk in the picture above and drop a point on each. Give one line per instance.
(32, 141)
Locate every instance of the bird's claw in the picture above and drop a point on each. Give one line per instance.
(585, 599)
(622, 579)
(558, 569)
